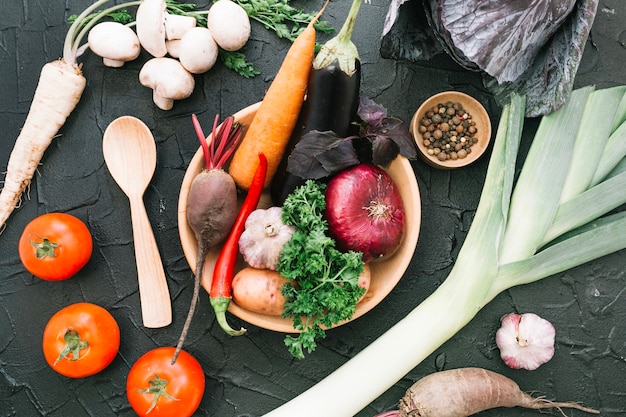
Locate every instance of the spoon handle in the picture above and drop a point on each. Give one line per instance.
(156, 306)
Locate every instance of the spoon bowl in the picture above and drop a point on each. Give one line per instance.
(130, 155)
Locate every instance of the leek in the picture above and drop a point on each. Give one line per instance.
(552, 218)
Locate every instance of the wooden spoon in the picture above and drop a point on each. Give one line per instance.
(130, 154)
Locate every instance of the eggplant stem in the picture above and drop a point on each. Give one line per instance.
(340, 48)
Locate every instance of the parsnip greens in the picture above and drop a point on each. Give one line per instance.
(562, 211)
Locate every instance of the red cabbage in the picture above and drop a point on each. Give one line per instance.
(532, 47)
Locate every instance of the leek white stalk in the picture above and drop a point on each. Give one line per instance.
(517, 237)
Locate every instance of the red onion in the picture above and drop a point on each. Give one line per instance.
(364, 211)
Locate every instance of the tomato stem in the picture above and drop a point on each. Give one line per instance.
(157, 387)
(73, 345)
(44, 248)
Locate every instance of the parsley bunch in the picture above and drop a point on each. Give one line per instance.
(281, 17)
(323, 288)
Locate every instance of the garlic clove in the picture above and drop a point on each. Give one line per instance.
(525, 341)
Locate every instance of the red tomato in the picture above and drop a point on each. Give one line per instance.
(81, 340)
(156, 388)
(55, 246)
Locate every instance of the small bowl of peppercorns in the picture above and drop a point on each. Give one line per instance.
(451, 129)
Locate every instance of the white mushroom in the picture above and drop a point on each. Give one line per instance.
(230, 25)
(173, 47)
(177, 25)
(114, 42)
(168, 79)
(198, 50)
(150, 20)
(155, 26)
(175, 28)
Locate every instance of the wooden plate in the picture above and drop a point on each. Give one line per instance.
(385, 273)
(478, 114)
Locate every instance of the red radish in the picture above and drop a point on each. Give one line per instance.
(212, 200)
(365, 212)
(466, 391)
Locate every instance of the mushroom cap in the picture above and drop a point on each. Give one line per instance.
(197, 51)
(114, 42)
(229, 23)
(177, 25)
(150, 18)
(168, 79)
(173, 47)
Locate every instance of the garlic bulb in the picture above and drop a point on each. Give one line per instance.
(525, 341)
(264, 237)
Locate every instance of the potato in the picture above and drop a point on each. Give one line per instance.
(258, 290)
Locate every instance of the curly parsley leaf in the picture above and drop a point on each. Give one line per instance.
(186, 9)
(324, 282)
(281, 17)
(238, 62)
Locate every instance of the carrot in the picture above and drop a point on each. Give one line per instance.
(59, 89)
(466, 391)
(277, 115)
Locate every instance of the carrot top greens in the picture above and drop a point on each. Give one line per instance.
(324, 288)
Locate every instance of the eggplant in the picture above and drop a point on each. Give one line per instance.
(331, 102)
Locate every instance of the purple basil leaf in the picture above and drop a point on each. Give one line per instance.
(396, 130)
(338, 159)
(384, 150)
(370, 112)
(319, 153)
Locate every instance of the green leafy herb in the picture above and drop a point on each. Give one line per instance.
(323, 288)
(237, 62)
(281, 17)
(186, 9)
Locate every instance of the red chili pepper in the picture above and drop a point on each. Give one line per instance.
(221, 285)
